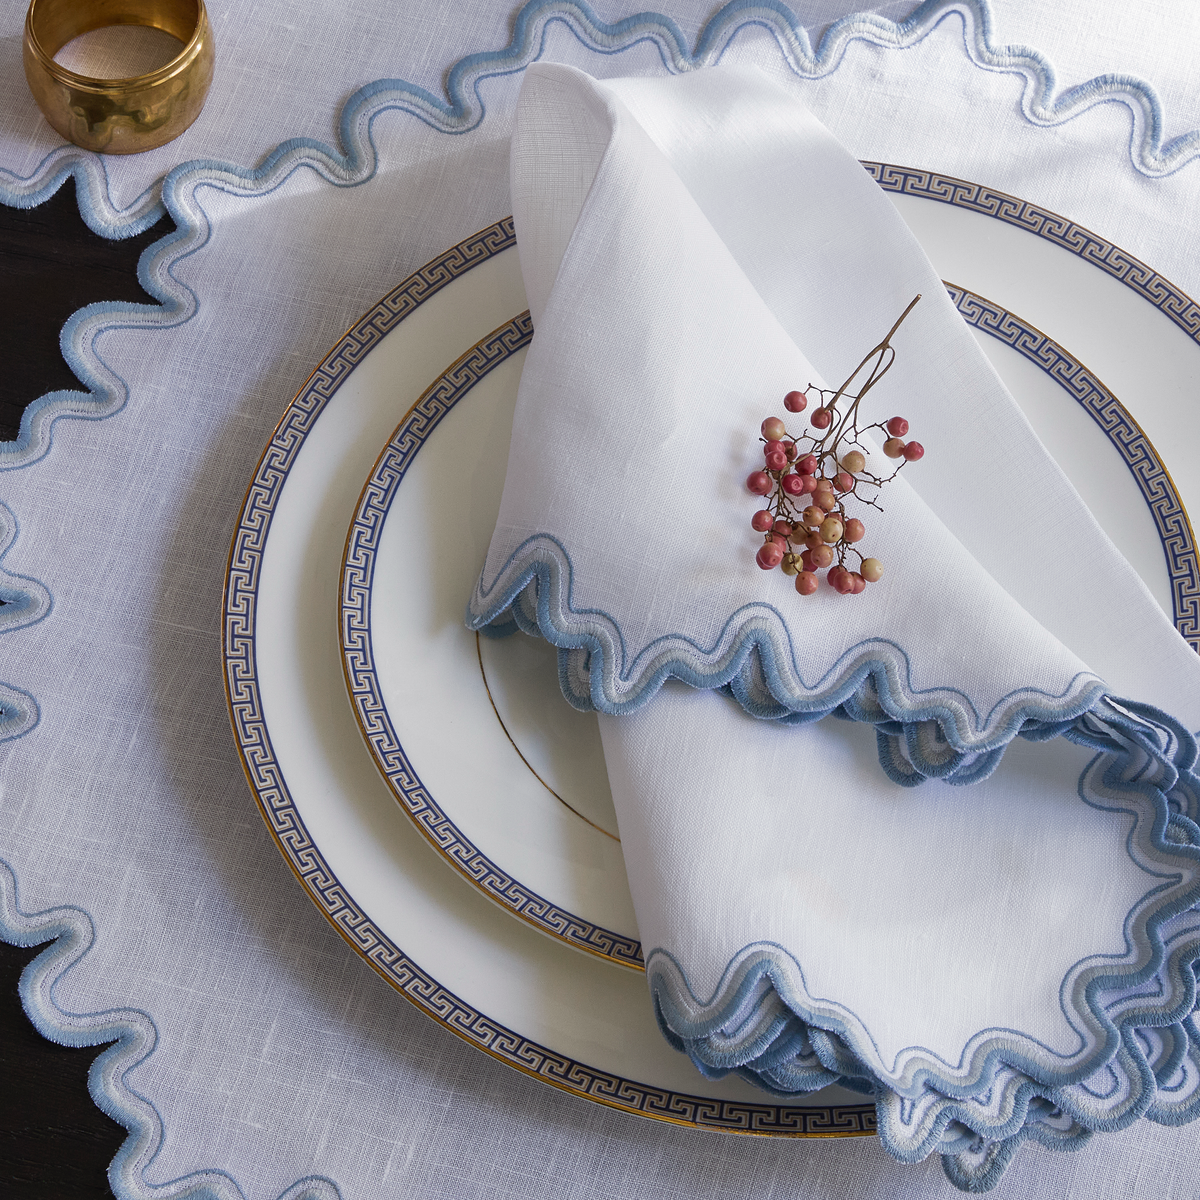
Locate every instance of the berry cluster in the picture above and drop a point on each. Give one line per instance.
(807, 481)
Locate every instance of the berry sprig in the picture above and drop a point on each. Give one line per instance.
(807, 481)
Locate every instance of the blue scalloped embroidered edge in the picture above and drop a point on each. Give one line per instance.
(1041, 104)
(978, 1168)
(71, 933)
(762, 1023)
(921, 734)
(23, 602)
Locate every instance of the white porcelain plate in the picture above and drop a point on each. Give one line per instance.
(568, 1018)
(526, 815)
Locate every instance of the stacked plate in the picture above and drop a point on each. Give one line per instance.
(373, 726)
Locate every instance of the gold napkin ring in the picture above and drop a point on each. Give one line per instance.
(118, 116)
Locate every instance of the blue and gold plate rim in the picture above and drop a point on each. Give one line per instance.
(412, 433)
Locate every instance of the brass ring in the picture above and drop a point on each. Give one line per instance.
(118, 116)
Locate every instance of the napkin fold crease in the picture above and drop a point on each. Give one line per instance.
(680, 241)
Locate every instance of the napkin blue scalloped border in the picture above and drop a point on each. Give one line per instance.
(763, 983)
(922, 733)
(934, 733)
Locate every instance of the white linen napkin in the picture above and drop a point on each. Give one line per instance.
(1007, 961)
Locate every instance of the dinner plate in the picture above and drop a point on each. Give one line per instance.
(526, 815)
(569, 1019)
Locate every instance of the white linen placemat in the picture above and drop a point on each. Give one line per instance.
(276, 1056)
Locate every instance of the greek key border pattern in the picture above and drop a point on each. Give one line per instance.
(1170, 517)
(1139, 455)
(362, 681)
(1173, 303)
(304, 857)
(380, 490)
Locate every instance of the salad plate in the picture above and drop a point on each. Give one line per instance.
(526, 816)
(485, 724)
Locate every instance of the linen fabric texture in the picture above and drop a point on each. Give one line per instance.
(977, 958)
(281, 1063)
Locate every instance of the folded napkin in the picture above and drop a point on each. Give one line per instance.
(993, 963)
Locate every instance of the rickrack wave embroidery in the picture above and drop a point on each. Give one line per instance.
(463, 111)
(762, 1022)
(70, 932)
(23, 602)
(933, 733)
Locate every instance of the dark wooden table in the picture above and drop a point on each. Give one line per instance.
(55, 1144)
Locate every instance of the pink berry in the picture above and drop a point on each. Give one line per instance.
(857, 583)
(813, 539)
(795, 402)
(769, 556)
(834, 578)
(776, 460)
(762, 520)
(872, 570)
(831, 530)
(793, 484)
(825, 500)
(843, 481)
(822, 556)
(897, 427)
(807, 465)
(893, 448)
(812, 516)
(806, 562)
(773, 429)
(806, 583)
(759, 482)
(783, 527)
(789, 448)
(769, 446)
(913, 451)
(854, 530)
(822, 418)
